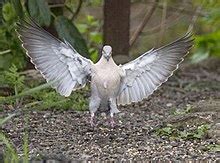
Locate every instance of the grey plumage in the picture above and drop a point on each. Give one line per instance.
(57, 61)
(146, 73)
(67, 70)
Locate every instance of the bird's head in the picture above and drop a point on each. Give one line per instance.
(107, 52)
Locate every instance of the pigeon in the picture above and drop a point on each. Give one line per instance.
(111, 84)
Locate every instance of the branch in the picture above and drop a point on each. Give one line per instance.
(74, 14)
(143, 23)
(170, 21)
(167, 24)
(162, 24)
(56, 5)
(194, 18)
(185, 11)
(77, 10)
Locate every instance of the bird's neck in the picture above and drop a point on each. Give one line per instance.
(103, 60)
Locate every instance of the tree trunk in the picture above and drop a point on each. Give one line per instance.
(116, 25)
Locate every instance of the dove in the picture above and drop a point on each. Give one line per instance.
(111, 84)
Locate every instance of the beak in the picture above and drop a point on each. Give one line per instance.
(108, 57)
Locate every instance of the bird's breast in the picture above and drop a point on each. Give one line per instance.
(107, 81)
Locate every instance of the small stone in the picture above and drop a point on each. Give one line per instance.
(169, 104)
(218, 142)
(174, 144)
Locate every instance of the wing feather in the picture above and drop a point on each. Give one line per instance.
(146, 73)
(59, 63)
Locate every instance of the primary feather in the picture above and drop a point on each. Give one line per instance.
(146, 73)
(59, 63)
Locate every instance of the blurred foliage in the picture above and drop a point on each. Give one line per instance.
(10, 49)
(13, 58)
(94, 37)
(39, 10)
(207, 41)
(67, 30)
(41, 96)
(11, 10)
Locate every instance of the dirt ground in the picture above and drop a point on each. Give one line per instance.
(65, 135)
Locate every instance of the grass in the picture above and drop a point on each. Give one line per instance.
(4, 120)
(37, 95)
(10, 154)
(25, 142)
(33, 95)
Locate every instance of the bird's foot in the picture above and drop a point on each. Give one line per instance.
(112, 122)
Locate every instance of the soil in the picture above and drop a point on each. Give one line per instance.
(67, 135)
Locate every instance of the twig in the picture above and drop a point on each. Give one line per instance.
(194, 18)
(56, 5)
(162, 24)
(69, 9)
(185, 11)
(74, 14)
(77, 10)
(5, 51)
(53, 15)
(143, 23)
(167, 24)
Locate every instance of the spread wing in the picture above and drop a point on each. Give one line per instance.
(59, 63)
(146, 73)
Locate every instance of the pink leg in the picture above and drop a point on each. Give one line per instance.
(112, 122)
(92, 123)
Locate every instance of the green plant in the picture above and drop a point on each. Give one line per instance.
(10, 154)
(5, 119)
(213, 147)
(10, 51)
(14, 79)
(207, 42)
(25, 143)
(90, 29)
(188, 109)
(206, 45)
(171, 131)
(43, 97)
(40, 11)
(201, 131)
